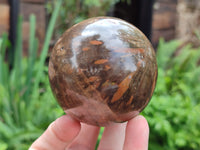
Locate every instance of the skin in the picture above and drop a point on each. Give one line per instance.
(66, 133)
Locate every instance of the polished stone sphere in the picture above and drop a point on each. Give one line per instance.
(103, 70)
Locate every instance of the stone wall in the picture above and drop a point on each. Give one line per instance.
(188, 25)
(26, 7)
(36, 7)
(4, 16)
(164, 20)
(171, 19)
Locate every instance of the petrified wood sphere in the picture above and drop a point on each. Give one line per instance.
(103, 70)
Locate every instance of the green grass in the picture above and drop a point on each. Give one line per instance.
(173, 113)
(25, 90)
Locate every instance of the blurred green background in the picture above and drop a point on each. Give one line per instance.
(27, 105)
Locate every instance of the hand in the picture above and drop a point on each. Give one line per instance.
(67, 133)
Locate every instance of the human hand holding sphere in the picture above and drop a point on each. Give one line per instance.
(102, 72)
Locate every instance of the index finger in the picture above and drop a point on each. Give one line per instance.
(137, 134)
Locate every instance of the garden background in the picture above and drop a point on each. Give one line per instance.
(27, 105)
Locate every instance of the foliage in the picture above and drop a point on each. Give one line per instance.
(25, 90)
(173, 113)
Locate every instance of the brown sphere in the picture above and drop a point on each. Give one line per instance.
(103, 70)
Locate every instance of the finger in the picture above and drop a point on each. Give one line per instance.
(137, 134)
(113, 137)
(58, 135)
(86, 139)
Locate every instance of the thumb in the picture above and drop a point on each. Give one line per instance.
(58, 135)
